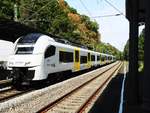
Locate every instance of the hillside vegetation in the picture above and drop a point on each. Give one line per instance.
(140, 50)
(58, 18)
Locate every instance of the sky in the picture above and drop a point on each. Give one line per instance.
(114, 29)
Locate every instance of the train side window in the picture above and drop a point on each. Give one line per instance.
(76, 56)
(88, 56)
(103, 58)
(50, 51)
(106, 57)
(110, 58)
(65, 57)
(98, 58)
(83, 59)
(92, 57)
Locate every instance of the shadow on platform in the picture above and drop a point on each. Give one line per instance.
(109, 101)
(132, 108)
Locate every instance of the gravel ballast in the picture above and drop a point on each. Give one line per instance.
(34, 101)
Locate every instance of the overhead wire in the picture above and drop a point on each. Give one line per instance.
(85, 7)
(106, 16)
(108, 2)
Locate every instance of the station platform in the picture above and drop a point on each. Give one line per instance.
(109, 101)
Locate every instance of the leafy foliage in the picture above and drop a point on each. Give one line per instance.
(58, 18)
(140, 48)
(109, 49)
(126, 51)
(7, 9)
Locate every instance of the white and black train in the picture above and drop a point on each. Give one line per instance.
(37, 55)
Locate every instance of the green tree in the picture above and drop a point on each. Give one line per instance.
(109, 49)
(126, 51)
(7, 9)
(52, 16)
(141, 46)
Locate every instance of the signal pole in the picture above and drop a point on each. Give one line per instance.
(16, 10)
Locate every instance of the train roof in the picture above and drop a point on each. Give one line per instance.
(75, 47)
(67, 44)
(33, 37)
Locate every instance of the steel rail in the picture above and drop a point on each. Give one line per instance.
(56, 102)
(12, 93)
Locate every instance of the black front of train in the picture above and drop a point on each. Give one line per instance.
(21, 76)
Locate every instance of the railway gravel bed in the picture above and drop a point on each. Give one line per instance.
(77, 101)
(11, 93)
(34, 101)
(6, 94)
(98, 94)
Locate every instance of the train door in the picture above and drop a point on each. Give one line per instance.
(89, 60)
(76, 60)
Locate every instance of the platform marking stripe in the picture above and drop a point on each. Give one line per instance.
(122, 91)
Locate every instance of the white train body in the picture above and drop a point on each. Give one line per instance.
(37, 55)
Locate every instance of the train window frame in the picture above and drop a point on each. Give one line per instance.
(83, 59)
(93, 58)
(98, 57)
(103, 58)
(65, 57)
(50, 51)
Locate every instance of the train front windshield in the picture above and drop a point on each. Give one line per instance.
(24, 50)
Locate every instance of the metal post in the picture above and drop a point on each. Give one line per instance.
(133, 62)
(146, 77)
(16, 10)
(132, 94)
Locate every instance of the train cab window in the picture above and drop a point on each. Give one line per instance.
(83, 59)
(76, 56)
(50, 51)
(92, 57)
(65, 57)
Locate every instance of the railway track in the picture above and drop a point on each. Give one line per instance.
(11, 93)
(5, 83)
(78, 100)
